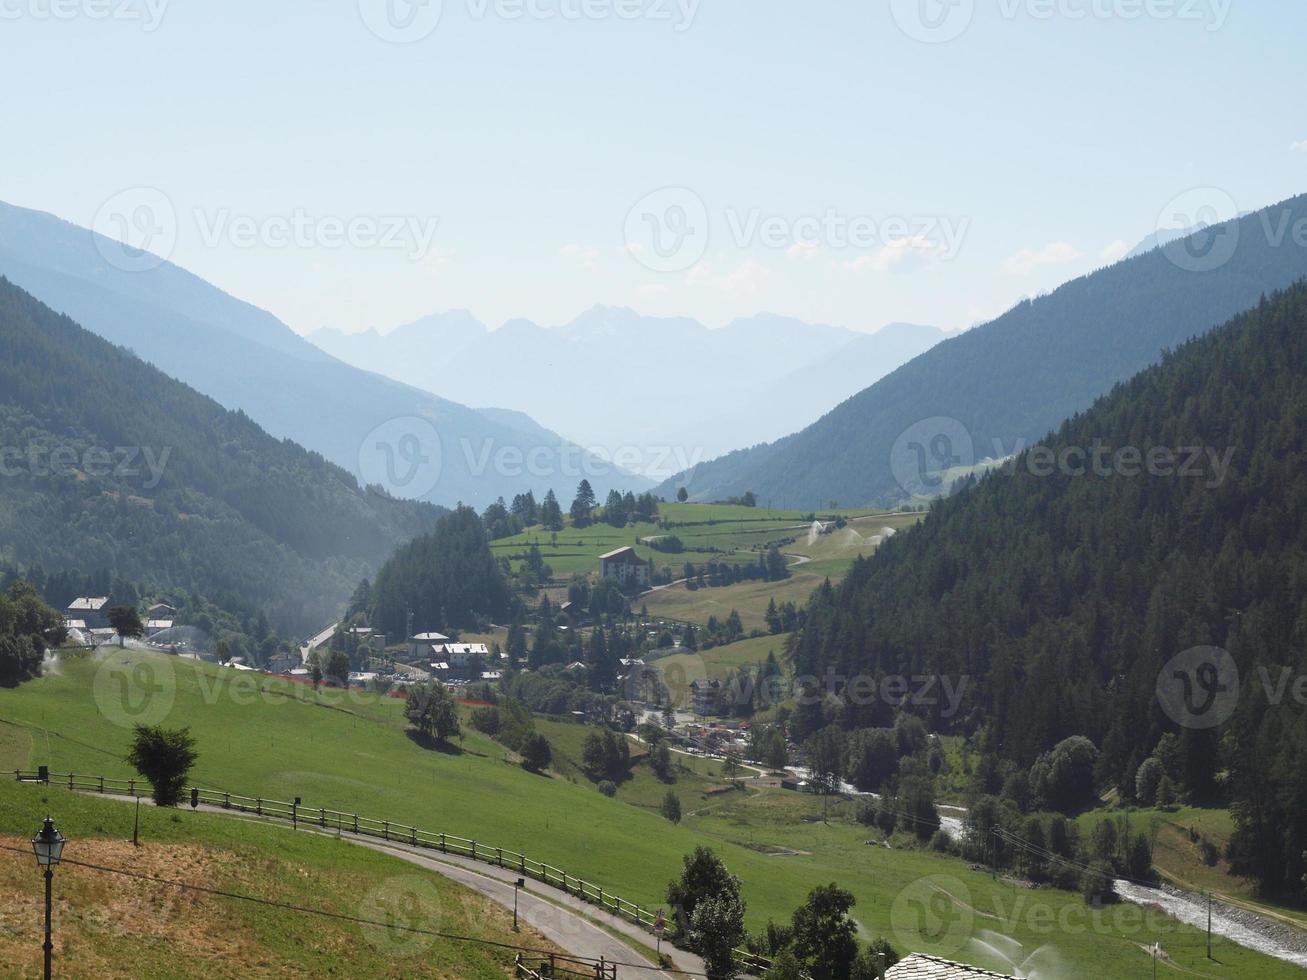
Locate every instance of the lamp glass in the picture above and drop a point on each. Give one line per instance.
(48, 845)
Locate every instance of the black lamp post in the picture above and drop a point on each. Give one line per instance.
(49, 848)
(516, 885)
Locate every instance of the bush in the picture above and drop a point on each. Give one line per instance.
(487, 720)
(607, 787)
(1096, 885)
(941, 842)
(536, 753)
(1147, 779)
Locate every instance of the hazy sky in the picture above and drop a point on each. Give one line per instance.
(359, 163)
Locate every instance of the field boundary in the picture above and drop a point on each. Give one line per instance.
(389, 830)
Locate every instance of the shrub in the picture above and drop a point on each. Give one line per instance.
(607, 787)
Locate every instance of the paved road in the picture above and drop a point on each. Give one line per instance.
(565, 919)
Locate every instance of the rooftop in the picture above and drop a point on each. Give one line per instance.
(622, 554)
(919, 966)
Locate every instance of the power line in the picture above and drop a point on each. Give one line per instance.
(359, 920)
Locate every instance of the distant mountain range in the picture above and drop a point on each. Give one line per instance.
(108, 464)
(413, 442)
(987, 392)
(665, 389)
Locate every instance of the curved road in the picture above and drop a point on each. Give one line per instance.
(563, 918)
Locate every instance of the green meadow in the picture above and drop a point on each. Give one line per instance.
(114, 926)
(260, 736)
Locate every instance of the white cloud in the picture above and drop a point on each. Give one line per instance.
(897, 256)
(742, 280)
(1115, 251)
(801, 251)
(1028, 260)
(1298, 146)
(651, 290)
(588, 256)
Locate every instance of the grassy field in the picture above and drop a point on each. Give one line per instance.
(1177, 837)
(718, 662)
(108, 925)
(827, 556)
(261, 736)
(709, 532)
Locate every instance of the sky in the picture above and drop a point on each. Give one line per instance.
(363, 163)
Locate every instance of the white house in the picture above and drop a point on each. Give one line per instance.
(625, 567)
(93, 610)
(422, 645)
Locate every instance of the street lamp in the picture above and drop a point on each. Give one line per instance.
(49, 848)
(520, 883)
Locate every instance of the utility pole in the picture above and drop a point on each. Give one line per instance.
(993, 851)
(1209, 925)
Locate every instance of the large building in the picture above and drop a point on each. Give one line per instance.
(625, 567)
(92, 610)
(706, 697)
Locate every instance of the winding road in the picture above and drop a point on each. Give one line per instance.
(578, 927)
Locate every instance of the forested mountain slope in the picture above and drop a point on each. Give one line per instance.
(160, 484)
(1019, 376)
(1059, 596)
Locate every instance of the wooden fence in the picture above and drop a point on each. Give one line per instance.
(388, 830)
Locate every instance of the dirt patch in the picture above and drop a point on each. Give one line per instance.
(97, 914)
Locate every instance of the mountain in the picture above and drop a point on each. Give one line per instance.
(110, 464)
(754, 379)
(247, 359)
(998, 386)
(1155, 607)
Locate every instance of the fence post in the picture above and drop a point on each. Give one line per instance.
(385, 828)
(356, 823)
(413, 836)
(70, 780)
(258, 806)
(101, 784)
(474, 850)
(226, 801)
(522, 863)
(499, 856)
(322, 817)
(442, 844)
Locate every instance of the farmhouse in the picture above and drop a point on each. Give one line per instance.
(706, 697)
(422, 645)
(154, 626)
(625, 567)
(460, 655)
(92, 610)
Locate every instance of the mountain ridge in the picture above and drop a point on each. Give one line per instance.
(1006, 382)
